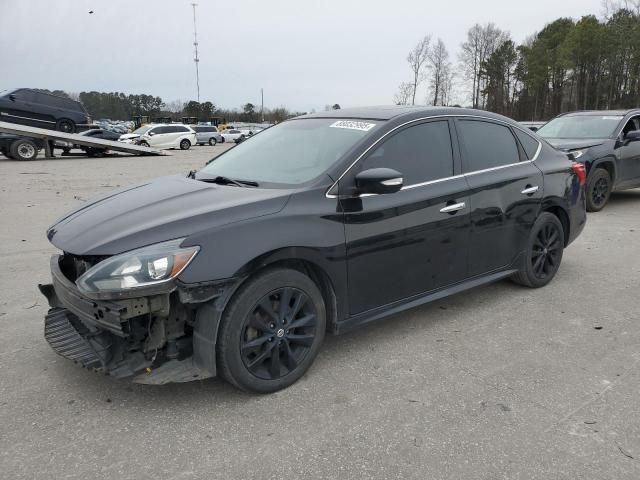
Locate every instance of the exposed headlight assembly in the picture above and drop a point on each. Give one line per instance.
(149, 268)
(578, 153)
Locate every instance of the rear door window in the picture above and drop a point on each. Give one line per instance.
(486, 145)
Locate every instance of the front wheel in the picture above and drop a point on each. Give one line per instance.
(143, 143)
(185, 144)
(212, 142)
(271, 331)
(544, 252)
(24, 149)
(598, 190)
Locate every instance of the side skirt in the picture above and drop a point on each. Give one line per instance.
(379, 313)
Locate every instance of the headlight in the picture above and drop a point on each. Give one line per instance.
(146, 267)
(578, 153)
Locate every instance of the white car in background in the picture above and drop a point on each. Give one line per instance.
(231, 135)
(162, 136)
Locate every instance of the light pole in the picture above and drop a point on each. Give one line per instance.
(195, 46)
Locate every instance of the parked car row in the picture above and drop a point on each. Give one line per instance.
(318, 225)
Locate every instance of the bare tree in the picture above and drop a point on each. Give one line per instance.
(481, 42)
(404, 94)
(440, 71)
(417, 59)
(174, 106)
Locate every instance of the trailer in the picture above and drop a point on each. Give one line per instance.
(30, 138)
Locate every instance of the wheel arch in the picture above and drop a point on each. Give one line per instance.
(563, 216)
(303, 260)
(608, 163)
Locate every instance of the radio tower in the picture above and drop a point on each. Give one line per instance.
(195, 46)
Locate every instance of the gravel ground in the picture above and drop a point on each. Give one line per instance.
(498, 383)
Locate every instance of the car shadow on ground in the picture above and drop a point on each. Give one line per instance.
(625, 197)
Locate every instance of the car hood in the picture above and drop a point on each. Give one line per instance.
(568, 144)
(128, 136)
(160, 210)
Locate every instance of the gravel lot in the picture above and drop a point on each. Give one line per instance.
(498, 383)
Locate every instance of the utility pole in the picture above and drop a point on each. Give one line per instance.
(195, 46)
(262, 105)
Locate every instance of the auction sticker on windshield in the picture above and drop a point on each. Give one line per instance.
(353, 125)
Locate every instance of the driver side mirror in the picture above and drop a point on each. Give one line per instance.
(379, 180)
(632, 136)
(151, 134)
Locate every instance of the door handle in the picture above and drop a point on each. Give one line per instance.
(453, 208)
(529, 190)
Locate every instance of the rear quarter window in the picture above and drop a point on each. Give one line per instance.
(529, 144)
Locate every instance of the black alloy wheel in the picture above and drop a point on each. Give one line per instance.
(66, 126)
(598, 190)
(544, 252)
(278, 333)
(271, 330)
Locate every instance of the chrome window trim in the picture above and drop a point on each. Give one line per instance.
(26, 118)
(422, 184)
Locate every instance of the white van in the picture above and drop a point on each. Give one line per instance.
(162, 136)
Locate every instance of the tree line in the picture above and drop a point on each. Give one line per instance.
(121, 106)
(591, 63)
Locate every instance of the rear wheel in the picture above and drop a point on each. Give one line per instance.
(185, 144)
(271, 331)
(66, 126)
(213, 141)
(598, 190)
(544, 252)
(24, 149)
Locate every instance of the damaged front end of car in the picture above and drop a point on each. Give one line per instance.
(128, 316)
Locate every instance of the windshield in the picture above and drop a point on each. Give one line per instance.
(581, 126)
(142, 130)
(292, 153)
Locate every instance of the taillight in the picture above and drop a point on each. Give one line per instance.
(580, 171)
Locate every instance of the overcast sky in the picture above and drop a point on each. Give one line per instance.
(304, 53)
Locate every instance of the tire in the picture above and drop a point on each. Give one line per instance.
(253, 328)
(24, 149)
(185, 144)
(222, 140)
(598, 190)
(65, 125)
(144, 144)
(213, 141)
(543, 254)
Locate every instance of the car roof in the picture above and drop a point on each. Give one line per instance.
(620, 113)
(388, 112)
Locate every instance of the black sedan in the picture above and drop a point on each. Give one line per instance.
(607, 143)
(318, 225)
